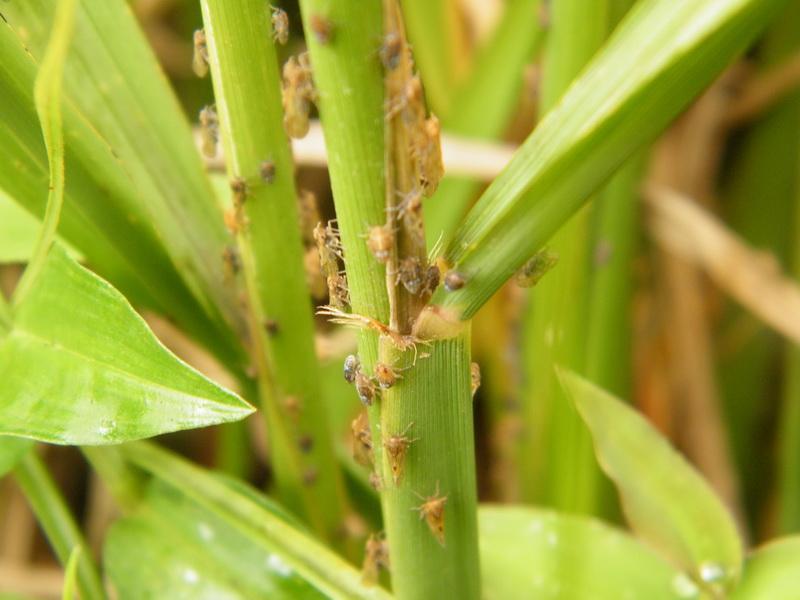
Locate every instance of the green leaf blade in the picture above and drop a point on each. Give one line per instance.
(544, 554)
(81, 367)
(771, 572)
(666, 501)
(664, 53)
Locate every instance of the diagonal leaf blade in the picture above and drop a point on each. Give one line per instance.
(665, 500)
(79, 366)
(660, 57)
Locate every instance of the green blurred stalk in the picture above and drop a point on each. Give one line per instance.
(764, 167)
(246, 80)
(483, 105)
(436, 31)
(556, 458)
(57, 523)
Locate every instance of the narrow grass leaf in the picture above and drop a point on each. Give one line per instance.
(660, 57)
(666, 501)
(771, 572)
(47, 97)
(71, 575)
(80, 366)
(534, 553)
(12, 449)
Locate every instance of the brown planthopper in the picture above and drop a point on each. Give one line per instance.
(475, 377)
(362, 439)
(365, 387)
(297, 95)
(209, 131)
(232, 261)
(322, 28)
(280, 26)
(411, 274)
(376, 557)
(396, 448)
(200, 53)
(453, 280)
(532, 271)
(432, 510)
(386, 375)
(391, 50)
(380, 241)
(427, 150)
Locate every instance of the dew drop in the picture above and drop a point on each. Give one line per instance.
(276, 564)
(683, 586)
(190, 576)
(712, 572)
(205, 531)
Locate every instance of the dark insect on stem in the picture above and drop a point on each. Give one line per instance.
(365, 388)
(453, 280)
(411, 274)
(267, 171)
(209, 131)
(536, 268)
(351, 367)
(232, 261)
(391, 50)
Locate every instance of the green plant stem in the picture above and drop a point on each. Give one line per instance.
(244, 71)
(483, 104)
(432, 406)
(349, 82)
(437, 34)
(556, 459)
(615, 232)
(57, 523)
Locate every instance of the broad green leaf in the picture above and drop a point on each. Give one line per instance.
(11, 450)
(79, 366)
(659, 58)
(130, 148)
(18, 231)
(534, 553)
(174, 548)
(772, 572)
(666, 501)
(254, 522)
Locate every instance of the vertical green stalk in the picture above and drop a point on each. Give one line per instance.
(57, 522)
(245, 76)
(432, 407)
(349, 82)
(556, 459)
